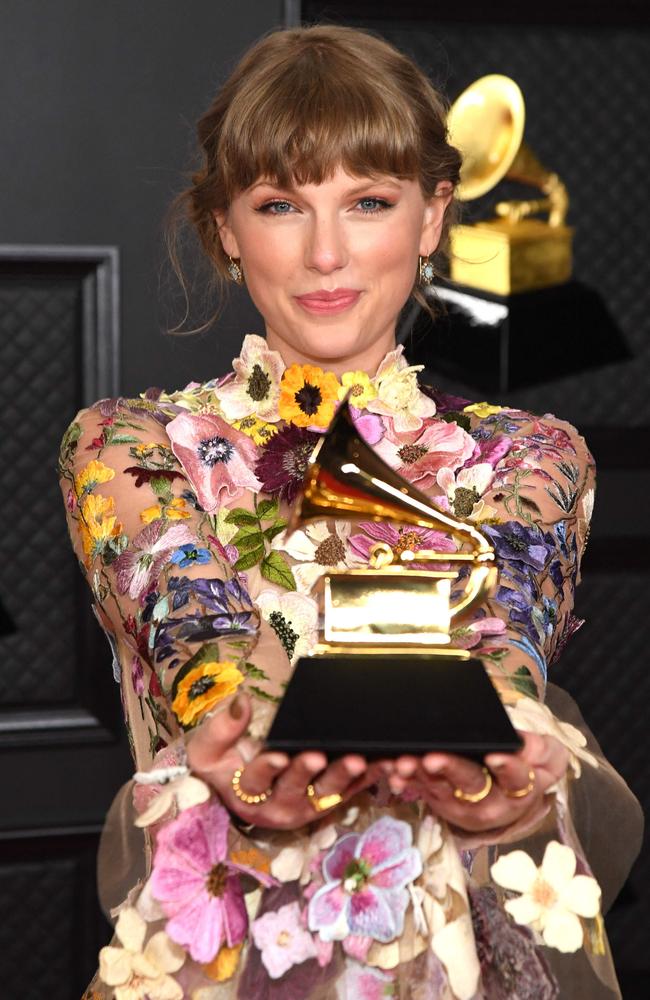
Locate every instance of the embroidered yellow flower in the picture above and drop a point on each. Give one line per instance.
(483, 410)
(203, 687)
(359, 386)
(174, 511)
(308, 396)
(90, 477)
(98, 523)
(259, 430)
(224, 965)
(144, 450)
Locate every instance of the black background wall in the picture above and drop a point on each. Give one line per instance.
(96, 126)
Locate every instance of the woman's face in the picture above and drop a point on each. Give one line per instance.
(330, 265)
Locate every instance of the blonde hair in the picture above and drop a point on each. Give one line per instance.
(302, 102)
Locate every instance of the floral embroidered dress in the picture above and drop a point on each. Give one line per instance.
(177, 510)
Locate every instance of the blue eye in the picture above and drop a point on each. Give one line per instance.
(276, 208)
(372, 206)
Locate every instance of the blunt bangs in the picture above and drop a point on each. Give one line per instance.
(300, 125)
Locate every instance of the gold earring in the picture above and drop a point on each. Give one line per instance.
(235, 271)
(426, 272)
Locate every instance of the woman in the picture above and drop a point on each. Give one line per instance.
(275, 878)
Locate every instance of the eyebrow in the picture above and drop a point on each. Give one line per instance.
(384, 181)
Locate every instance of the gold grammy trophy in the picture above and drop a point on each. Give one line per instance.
(384, 679)
(513, 252)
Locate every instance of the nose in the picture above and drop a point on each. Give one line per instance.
(326, 247)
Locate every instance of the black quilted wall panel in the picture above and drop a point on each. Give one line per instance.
(39, 372)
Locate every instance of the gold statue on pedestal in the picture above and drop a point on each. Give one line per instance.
(512, 252)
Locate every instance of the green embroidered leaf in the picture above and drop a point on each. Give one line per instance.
(240, 516)
(124, 439)
(250, 559)
(462, 419)
(524, 683)
(276, 569)
(267, 509)
(275, 529)
(248, 538)
(255, 672)
(259, 693)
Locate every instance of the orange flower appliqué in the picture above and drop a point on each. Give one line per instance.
(203, 687)
(308, 396)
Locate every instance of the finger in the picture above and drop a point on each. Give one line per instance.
(300, 773)
(512, 773)
(461, 774)
(337, 777)
(218, 733)
(258, 776)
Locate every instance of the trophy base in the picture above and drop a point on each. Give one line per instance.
(386, 705)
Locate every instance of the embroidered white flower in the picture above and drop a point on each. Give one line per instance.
(531, 716)
(294, 619)
(552, 896)
(180, 791)
(588, 505)
(465, 489)
(398, 393)
(256, 386)
(316, 550)
(137, 973)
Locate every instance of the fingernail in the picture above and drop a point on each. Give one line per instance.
(277, 761)
(498, 762)
(432, 767)
(236, 707)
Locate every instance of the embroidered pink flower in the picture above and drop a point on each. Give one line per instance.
(198, 887)
(216, 457)
(150, 549)
(365, 983)
(369, 425)
(400, 539)
(468, 636)
(282, 940)
(365, 879)
(419, 457)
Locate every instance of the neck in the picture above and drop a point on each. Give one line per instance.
(366, 359)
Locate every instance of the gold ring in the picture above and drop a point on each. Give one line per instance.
(322, 803)
(250, 800)
(520, 793)
(476, 796)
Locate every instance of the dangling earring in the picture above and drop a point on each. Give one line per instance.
(235, 271)
(426, 272)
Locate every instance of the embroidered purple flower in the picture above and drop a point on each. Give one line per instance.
(493, 450)
(137, 675)
(365, 883)
(282, 939)
(189, 555)
(197, 886)
(283, 461)
(518, 543)
(399, 539)
(369, 425)
(216, 458)
(140, 565)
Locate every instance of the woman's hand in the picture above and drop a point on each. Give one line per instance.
(215, 752)
(542, 761)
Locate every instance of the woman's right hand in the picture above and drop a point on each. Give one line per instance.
(213, 755)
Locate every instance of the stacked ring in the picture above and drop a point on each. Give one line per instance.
(520, 793)
(476, 796)
(249, 800)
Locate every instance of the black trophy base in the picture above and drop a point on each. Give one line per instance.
(386, 705)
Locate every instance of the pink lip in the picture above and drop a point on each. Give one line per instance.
(322, 302)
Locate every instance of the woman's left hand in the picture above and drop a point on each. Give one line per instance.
(541, 762)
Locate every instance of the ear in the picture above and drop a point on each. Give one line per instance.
(434, 214)
(228, 240)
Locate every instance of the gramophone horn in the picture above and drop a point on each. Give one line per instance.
(346, 478)
(487, 124)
